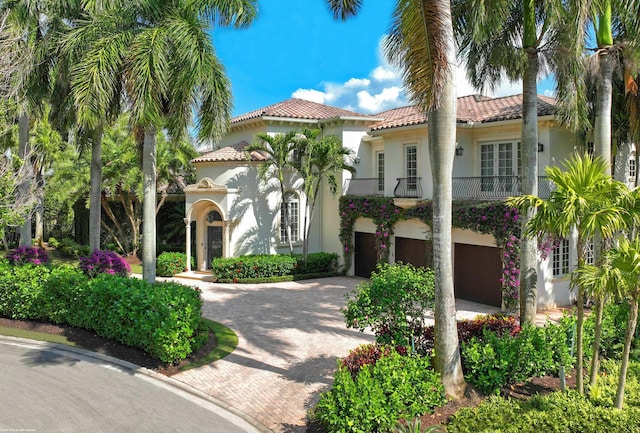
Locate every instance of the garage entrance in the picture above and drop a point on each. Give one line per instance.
(413, 251)
(477, 272)
(364, 254)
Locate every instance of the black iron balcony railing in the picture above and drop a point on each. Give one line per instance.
(368, 186)
(495, 187)
(408, 187)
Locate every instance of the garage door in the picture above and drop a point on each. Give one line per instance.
(477, 272)
(365, 254)
(412, 251)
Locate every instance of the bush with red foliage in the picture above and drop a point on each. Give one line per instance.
(467, 329)
(368, 354)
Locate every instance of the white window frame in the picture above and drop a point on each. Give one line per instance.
(633, 170)
(500, 164)
(411, 166)
(380, 170)
(561, 259)
(290, 199)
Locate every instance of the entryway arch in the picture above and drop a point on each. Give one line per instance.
(211, 237)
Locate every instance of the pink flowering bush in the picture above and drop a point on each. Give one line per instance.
(28, 255)
(104, 262)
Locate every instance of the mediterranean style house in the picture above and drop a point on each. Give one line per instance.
(231, 212)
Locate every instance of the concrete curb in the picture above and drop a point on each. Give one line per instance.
(192, 394)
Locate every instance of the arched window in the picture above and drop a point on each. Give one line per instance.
(214, 216)
(290, 204)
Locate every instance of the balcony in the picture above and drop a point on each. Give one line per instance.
(495, 187)
(368, 186)
(408, 187)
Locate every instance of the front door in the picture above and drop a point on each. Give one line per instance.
(214, 243)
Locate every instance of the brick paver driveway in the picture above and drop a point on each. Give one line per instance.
(290, 335)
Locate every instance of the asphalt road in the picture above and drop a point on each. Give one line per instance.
(50, 388)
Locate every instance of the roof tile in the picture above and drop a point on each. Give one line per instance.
(299, 109)
(234, 152)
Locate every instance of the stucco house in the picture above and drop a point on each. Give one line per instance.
(230, 212)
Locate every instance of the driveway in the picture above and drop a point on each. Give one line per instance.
(51, 388)
(290, 336)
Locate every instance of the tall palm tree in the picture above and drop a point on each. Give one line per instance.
(586, 199)
(159, 55)
(421, 42)
(279, 151)
(320, 160)
(515, 39)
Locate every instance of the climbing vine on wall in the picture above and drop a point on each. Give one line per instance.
(494, 218)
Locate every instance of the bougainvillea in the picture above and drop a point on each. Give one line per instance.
(28, 255)
(104, 262)
(493, 218)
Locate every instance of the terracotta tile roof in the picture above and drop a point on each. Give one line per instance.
(235, 152)
(299, 109)
(474, 108)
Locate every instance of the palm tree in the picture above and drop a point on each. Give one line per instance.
(319, 160)
(421, 42)
(515, 39)
(279, 151)
(585, 199)
(159, 55)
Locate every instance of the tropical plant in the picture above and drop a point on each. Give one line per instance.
(525, 43)
(159, 54)
(320, 160)
(279, 150)
(620, 271)
(422, 43)
(585, 198)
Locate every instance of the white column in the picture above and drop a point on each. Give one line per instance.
(227, 239)
(188, 252)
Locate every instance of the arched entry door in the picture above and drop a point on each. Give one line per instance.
(214, 236)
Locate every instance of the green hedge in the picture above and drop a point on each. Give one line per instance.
(259, 267)
(170, 264)
(162, 319)
(395, 387)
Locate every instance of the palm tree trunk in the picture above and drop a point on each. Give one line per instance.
(602, 125)
(23, 152)
(628, 338)
(442, 140)
(95, 194)
(529, 246)
(580, 328)
(597, 335)
(149, 205)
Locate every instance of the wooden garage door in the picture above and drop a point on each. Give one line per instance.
(365, 254)
(412, 251)
(477, 272)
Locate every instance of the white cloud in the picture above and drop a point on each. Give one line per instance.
(385, 73)
(311, 95)
(357, 82)
(387, 98)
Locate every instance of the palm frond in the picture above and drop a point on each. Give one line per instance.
(343, 9)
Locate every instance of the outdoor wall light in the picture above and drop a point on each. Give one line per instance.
(459, 150)
(356, 160)
(540, 147)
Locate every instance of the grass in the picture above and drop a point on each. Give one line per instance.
(33, 335)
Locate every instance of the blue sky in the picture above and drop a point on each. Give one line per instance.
(296, 49)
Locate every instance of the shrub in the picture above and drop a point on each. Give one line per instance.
(316, 263)
(170, 264)
(494, 361)
(365, 354)
(104, 262)
(559, 412)
(614, 322)
(467, 330)
(162, 319)
(394, 387)
(72, 249)
(28, 255)
(255, 266)
(393, 303)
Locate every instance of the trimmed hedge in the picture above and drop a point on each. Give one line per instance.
(170, 264)
(259, 267)
(162, 319)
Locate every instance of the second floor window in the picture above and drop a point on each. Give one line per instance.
(380, 170)
(290, 205)
(633, 170)
(561, 259)
(411, 166)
